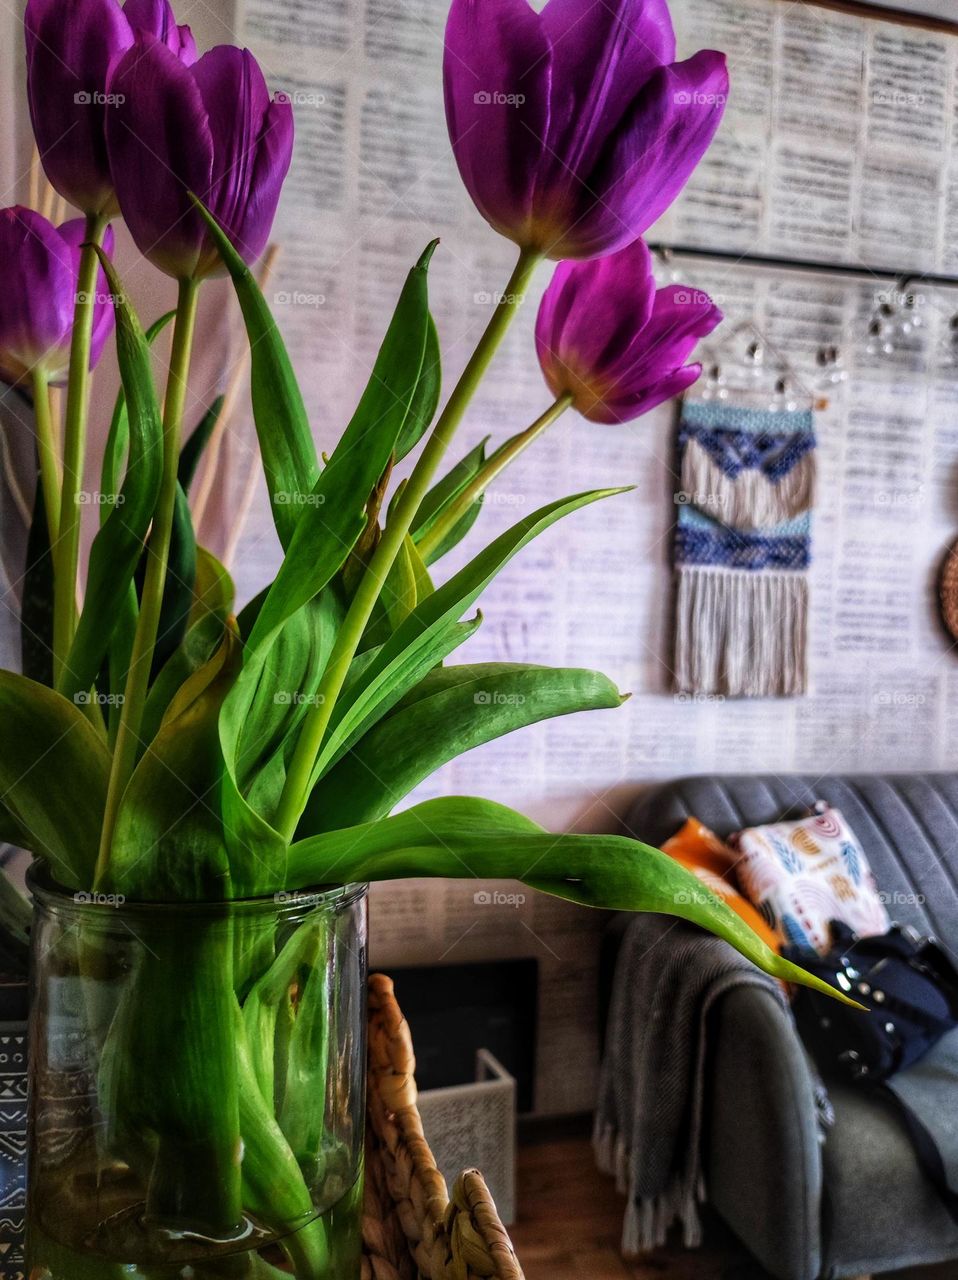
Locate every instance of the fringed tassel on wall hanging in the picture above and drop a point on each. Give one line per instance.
(742, 550)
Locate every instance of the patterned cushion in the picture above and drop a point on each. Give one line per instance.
(802, 875)
(701, 851)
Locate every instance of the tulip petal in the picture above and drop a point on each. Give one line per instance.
(591, 312)
(680, 317)
(156, 18)
(497, 75)
(273, 154)
(252, 142)
(36, 301)
(161, 148)
(69, 58)
(651, 156)
(603, 54)
(625, 408)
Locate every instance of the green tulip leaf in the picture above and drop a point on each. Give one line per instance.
(36, 602)
(54, 769)
(168, 844)
(335, 515)
(258, 726)
(118, 436)
(201, 641)
(118, 545)
(448, 713)
(425, 401)
(441, 497)
(360, 706)
(462, 838)
(192, 452)
(285, 440)
(214, 593)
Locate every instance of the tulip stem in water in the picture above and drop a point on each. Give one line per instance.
(158, 552)
(298, 780)
(47, 451)
(474, 490)
(67, 543)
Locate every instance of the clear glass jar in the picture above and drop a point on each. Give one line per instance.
(197, 1086)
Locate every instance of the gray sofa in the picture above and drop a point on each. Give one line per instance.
(858, 1203)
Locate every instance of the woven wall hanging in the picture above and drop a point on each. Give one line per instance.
(742, 550)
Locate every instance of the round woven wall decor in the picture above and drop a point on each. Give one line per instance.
(948, 590)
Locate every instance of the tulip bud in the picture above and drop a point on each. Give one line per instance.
(39, 293)
(613, 342)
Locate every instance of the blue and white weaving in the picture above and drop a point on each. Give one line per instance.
(742, 550)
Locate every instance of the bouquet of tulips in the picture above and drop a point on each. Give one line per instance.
(161, 747)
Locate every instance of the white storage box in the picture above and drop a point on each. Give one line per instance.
(474, 1126)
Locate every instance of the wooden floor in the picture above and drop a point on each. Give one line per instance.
(570, 1222)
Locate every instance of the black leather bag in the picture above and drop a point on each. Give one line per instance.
(907, 982)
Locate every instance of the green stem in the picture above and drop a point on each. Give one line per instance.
(484, 477)
(158, 551)
(47, 450)
(299, 777)
(67, 544)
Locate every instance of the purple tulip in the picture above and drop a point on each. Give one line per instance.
(574, 128)
(72, 46)
(41, 264)
(606, 336)
(210, 129)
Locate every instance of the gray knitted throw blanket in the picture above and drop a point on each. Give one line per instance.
(648, 1128)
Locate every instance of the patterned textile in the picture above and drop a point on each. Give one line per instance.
(742, 549)
(802, 875)
(701, 851)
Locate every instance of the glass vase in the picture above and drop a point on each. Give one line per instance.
(197, 1087)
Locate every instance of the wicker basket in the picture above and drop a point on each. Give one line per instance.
(411, 1229)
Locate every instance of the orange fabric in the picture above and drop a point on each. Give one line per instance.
(701, 851)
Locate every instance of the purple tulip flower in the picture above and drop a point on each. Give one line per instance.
(210, 129)
(606, 336)
(574, 128)
(72, 46)
(41, 265)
